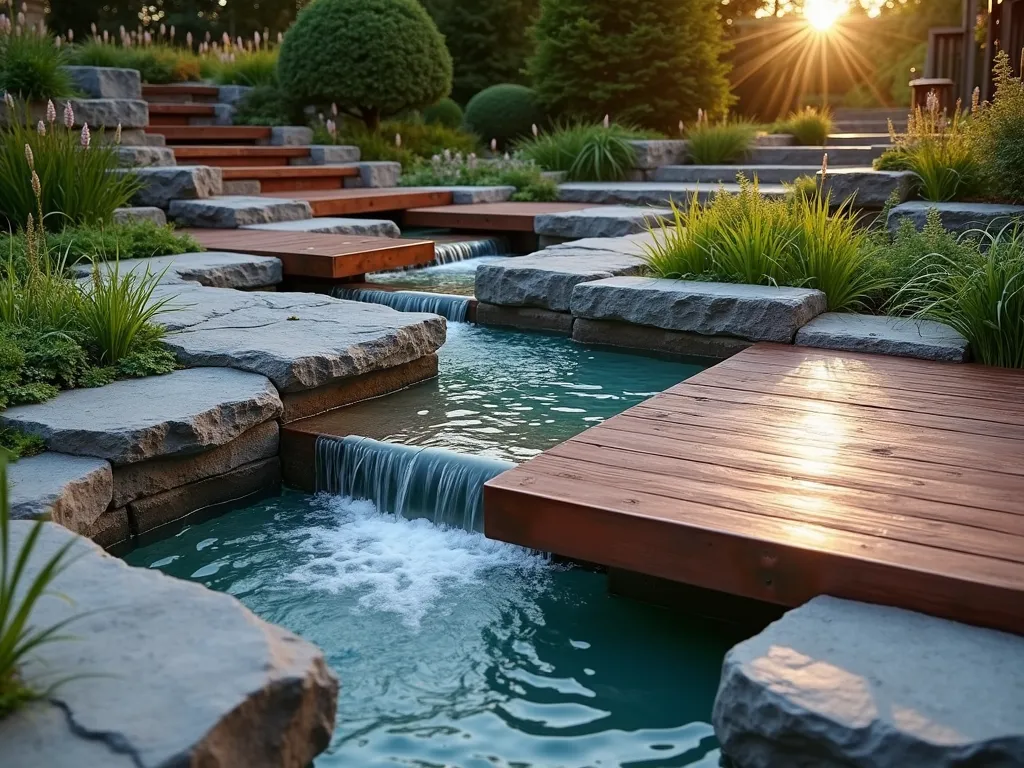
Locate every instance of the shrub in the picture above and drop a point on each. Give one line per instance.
(810, 127)
(647, 62)
(419, 141)
(247, 67)
(455, 169)
(77, 176)
(585, 152)
(445, 113)
(720, 143)
(999, 134)
(748, 238)
(373, 58)
(503, 113)
(31, 66)
(266, 105)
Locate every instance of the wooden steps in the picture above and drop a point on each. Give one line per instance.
(786, 472)
(207, 134)
(178, 114)
(180, 92)
(292, 177)
(347, 202)
(487, 217)
(327, 257)
(230, 157)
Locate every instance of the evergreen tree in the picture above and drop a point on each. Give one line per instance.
(650, 62)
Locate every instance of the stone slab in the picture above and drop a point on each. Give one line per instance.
(648, 192)
(867, 187)
(256, 478)
(857, 157)
(109, 529)
(148, 478)
(144, 157)
(527, 318)
(836, 683)
(134, 420)
(377, 174)
(606, 221)
(232, 94)
(223, 114)
(775, 140)
(644, 338)
(334, 226)
(726, 174)
(298, 340)
(216, 269)
(467, 195)
(106, 82)
(242, 187)
(229, 212)
(753, 312)
(654, 153)
(139, 214)
(162, 672)
(109, 113)
(546, 279)
(163, 185)
(328, 154)
(628, 245)
(291, 136)
(70, 490)
(957, 217)
(899, 336)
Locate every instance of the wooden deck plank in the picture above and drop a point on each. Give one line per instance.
(347, 202)
(487, 217)
(204, 134)
(316, 255)
(784, 473)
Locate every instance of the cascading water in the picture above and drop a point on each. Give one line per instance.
(455, 308)
(412, 482)
(461, 250)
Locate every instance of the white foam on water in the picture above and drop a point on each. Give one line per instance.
(406, 567)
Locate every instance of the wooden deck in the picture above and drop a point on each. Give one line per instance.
(787, 472)
(307, 254)
(487, 217)
(347, 202)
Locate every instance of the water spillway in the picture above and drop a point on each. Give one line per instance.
(454, 308)
(409, 481)
(449, 252)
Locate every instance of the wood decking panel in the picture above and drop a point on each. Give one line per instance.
(207, 133)
(290, 172)
(784, 473)
(317, 255)
(489, 217)
(346, 202)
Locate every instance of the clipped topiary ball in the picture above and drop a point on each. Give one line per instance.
(373, 58)
(446, 112)
(504, 112)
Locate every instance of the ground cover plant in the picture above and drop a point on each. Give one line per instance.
(252, 67)
(809, 126)
(455, 169)
(585, 151)
(403, 141)
(31, 66)
(719, 143)
(135, 240)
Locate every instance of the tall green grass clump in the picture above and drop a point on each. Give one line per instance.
(247, 67)
(809, 127)
(31, 66)
(585, 151)
(158, 63)
(77, 173)
(720, 143)
(801, 241)
(456, 169)
(401, 141)
(999, 134)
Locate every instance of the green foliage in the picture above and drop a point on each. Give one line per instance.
(503, 113)
(893, 159)
(455, 169)
(445, 113)
(802, 187)
(158, 63)
(720, 143)
(247, 67)
(136, 240)
(489, 40)
(419, 141)
(999, 133)
(372, 58)
(810, 126)
(266, 105)
(647, 62)
(585, 152)
(19, 636)
(749, 238)
(975, 285)
(78, 183)
(31, 66)
(17, 444)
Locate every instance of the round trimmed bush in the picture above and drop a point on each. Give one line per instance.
(504, 112)
(446, 112)
(373, 58)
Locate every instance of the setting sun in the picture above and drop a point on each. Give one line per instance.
(822, 14)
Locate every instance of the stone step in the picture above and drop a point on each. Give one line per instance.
(841, 114)
(837, 155)
(726, 174)
(207, 134)
(859, 139)
(603, 221)
(652, 193)
(334, 226)
(273, 179)
(180, 92)
(179, 114)
(232, 211)
(233, 156)
(868, 126)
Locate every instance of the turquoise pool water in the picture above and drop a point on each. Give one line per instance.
(453, 650)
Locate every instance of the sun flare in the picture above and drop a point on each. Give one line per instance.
(822, 14)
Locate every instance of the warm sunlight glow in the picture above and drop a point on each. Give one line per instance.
(822, 14)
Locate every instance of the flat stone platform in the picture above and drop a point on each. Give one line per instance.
(486, 217)
(784, 473)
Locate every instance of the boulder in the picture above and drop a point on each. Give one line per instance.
(162, 672)
(607, 221)
(237, 211)
(899, 336)
(298, 340)
(110, 113)
(139, 214)
(107, 82)
(726, 174)
(867, 187)
(330, 154)
(138, 419)
(223, 114)
(232, 94)
(957, 217)
(334, 226)
(378, 173)
(242, 188)
(71, 490)
(753, 312)
(162, 185)
(291, 136)
(465, 195)
(216, 269)
(547, 279)
(837, 683)
(654, 153)
(648, 192)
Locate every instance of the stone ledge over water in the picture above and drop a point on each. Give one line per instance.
(71, 490)
(606, 221)
(837, 683)
(900, 336)
(163, 672)
(754, 312)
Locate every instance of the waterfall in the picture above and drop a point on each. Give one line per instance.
(455, 308)
(410, 481)
(461, 250)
